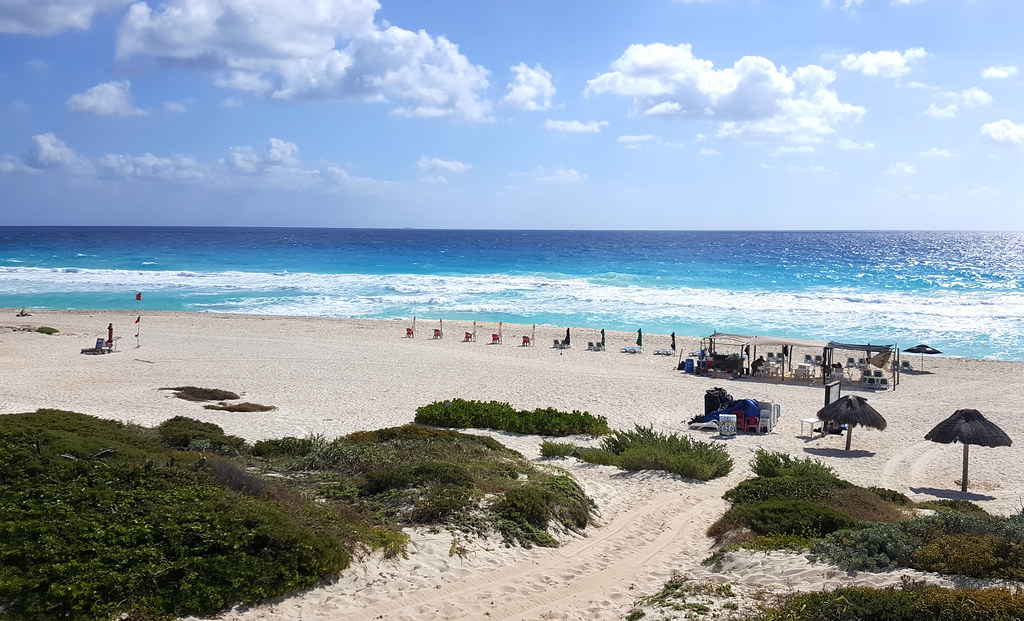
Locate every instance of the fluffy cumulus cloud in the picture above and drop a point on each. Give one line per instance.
(308, 50)
(1003, 132)
(575, 127)
(886, 64)
(999, 73)
(437, 164)
(47, 152)
(901, 168)
(942, 112)
(754, 99)
(52, 16)
(109, 98)
(530, 90)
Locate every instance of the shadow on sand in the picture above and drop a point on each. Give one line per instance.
(834, 452)
(951, 494)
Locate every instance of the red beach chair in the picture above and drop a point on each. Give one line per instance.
(753, 424)
(526, 341)
(469, 337)
(408, 333)
(495, 338)
(438, 334)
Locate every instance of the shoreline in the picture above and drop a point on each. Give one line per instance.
(336, 376)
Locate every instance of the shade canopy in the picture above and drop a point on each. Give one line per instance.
(922, 349)
(852, 410)
(969, 427)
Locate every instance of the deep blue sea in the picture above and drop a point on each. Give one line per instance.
(962, 293)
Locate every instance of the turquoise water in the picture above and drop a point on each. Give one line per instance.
(960, 292)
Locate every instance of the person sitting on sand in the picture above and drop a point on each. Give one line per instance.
(23, 313)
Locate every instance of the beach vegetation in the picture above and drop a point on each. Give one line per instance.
(193, 393)
(47, 330)
(770, 464)
(687, 595)
(911, 601)
(182, 432)
(466, 414)
(99, 519)
(550, 449)
(646, 449)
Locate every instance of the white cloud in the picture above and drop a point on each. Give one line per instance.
(817, 170)
(178, 107)
(901, 168)
(48, 151)
(974, 97)
(436, 179)
(114, 98)
(531, 89)
(906, 2)
(935, 152)
(149, 166)
(920, 85)
(849, 145)
(434, 163)
(635, 139)
(1003, 132)
(945, 112)
(33, 17)
(790, 149)
(563, 175)
(590, 127)
(886, 63)
(999, 73)
(753, 99)
(700, 138)
(309, 50)
(847, 5)
(706, 151)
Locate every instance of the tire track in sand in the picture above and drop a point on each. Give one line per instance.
(591, 578)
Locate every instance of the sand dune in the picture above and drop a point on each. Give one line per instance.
(334, 377)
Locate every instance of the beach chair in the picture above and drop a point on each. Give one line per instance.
(526, 341)
(869, 382)
(883, 383)
(850, 363)
(495, 339)
(469, 337)
(590, 346)
(878, 374)
(861, 363)
(771, 357)
(807, 359)
(753, 424)
(906, 366)
(664, 352)
(438, 334)
(817, 360)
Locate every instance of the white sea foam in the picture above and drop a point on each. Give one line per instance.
(991, 319)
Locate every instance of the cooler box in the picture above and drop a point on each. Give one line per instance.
(689, 366)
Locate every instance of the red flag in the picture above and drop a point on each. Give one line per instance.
(138, 319)
(138, 296)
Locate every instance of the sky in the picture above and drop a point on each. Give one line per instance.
(574, 114)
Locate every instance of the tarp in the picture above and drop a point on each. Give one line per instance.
(722, 338)
(758, 341)
(868, 348)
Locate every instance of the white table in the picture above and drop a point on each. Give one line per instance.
(812, 422)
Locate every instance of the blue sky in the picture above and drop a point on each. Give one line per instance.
(659, 114)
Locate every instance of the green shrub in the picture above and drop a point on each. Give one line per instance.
(183, 432)
(463, 414)
(291, 446)
(815, 487)
(960, 506)
(550, 449)
(978, 556)
(889, 495)
(645, 449)
(47, 330)
(771, 464)
(788, 517)
(878, 547)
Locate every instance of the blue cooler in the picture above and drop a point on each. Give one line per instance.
(689, 366)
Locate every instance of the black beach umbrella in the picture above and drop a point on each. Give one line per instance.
(673, 341)
(602, 337)
(852, 410)
(566, 341)
(922, 349)
(968, 427)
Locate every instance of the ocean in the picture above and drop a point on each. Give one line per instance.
(962, 293)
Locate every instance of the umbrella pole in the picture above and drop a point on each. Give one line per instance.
(963, 480)
(849, 435)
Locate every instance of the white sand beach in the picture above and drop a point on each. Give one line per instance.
(333, 377)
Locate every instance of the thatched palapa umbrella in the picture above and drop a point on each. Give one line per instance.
(968, 427)
(852, 410)
(922, 349)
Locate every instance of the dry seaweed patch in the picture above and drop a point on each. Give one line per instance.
(193, 393)
(245, 406)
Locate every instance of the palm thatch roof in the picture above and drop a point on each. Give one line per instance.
(968, 426)
(852, 410)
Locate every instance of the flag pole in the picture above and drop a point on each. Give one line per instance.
(138, 319)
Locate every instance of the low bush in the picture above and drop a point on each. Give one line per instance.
(645, 449)
(771, 464)
(913, 602)
(291, 446)
(789, 517)
(960, 506)
(463, 414)
(889, 495)
(47, 330)
(815, 487)
(557, 449)
(182, 432)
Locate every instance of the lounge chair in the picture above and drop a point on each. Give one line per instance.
(409, 333)
(664, 352)
(632, 350)
(906, 366)
(438, 334)
(710, 425)
(495, 339)
(469, 337)
(526, 341)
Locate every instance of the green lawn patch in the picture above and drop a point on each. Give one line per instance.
(47, 330)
